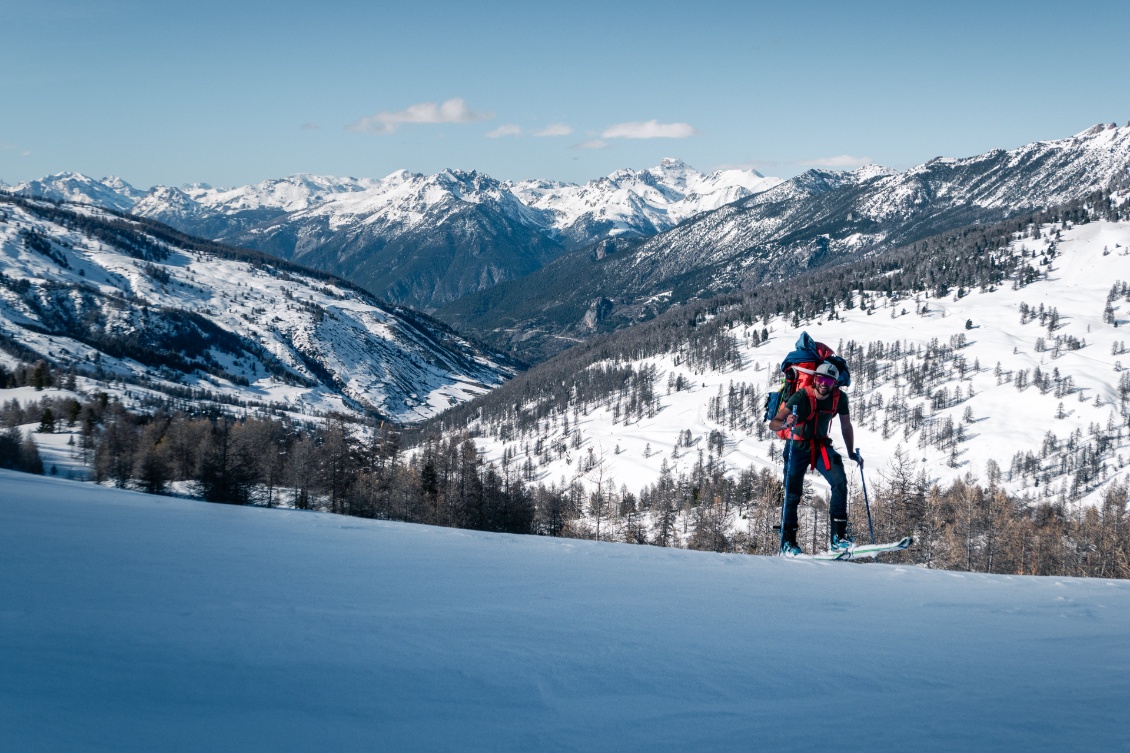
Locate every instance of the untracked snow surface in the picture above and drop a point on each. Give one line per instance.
(137, 623)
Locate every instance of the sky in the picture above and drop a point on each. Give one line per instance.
(234, 92)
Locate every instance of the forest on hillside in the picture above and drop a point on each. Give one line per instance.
(434, 473)
(338, 466)
(701, 332)
(536, 414)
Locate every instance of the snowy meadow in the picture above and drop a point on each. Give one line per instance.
(137, 623)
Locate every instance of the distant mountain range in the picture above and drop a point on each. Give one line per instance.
(128, 300)
(421, 240)
(817, 218)
(531, 268)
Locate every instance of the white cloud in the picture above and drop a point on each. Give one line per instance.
(505, 130)
(651, 129)
(841, 161)
(453, 110)
(593, 144)
(555, 129)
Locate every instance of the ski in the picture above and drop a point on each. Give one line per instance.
(860, 550)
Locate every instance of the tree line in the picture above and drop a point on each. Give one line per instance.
(347, 468)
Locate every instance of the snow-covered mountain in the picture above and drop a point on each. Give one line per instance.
(1027, 375)
(638, 203)
(110, 192)
(128, 299)
(422, 239)
(415, 239)
(808, 221)
(821, 215)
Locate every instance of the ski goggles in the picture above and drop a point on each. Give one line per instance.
(824, 381)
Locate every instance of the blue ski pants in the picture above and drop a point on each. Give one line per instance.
(832, 471)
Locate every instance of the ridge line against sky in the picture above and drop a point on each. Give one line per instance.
(235, 93)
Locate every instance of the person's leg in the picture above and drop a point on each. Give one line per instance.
(833, 473)
(795, 469)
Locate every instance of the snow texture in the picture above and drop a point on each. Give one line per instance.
(1089, 259)
(137, 623)
(306, 344)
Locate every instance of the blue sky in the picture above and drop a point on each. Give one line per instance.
(235, 92)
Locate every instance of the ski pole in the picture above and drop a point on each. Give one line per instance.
(785, 495)
(866, 502)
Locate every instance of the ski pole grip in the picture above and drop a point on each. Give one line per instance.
(859, 457)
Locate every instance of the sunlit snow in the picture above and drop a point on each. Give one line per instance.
(1001, 421)
(137, 623)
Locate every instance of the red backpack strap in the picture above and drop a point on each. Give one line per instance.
(814, 419)
(811, 425)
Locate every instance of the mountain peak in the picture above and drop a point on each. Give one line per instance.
(1098, 128)
(867, 172)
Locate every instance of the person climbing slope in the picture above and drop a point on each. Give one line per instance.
(809, 426)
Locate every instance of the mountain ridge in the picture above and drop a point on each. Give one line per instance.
(805, 222)
(421, 240)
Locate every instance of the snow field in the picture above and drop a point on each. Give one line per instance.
(1089, 260)
(136, 623)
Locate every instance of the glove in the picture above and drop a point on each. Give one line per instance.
(857, 457)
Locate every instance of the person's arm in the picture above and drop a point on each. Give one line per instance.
(785, 419)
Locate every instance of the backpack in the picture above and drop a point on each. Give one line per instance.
(797, 370)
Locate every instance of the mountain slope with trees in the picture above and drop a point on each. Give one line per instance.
(653, 436)
(809, 221)
(656, 422)
(116, 298)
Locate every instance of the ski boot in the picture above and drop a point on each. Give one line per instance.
(841, 539)
(789, 547)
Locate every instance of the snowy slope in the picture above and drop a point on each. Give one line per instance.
(115, 299)
(135, 623)
(1084, 398)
